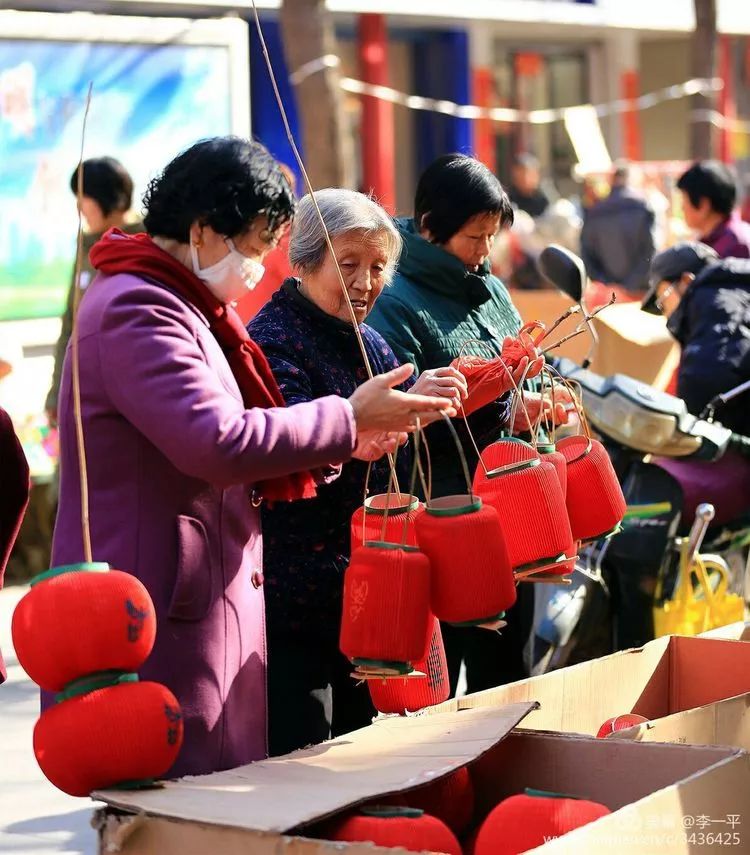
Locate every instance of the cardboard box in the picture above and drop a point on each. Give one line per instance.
(263, 808)
(731, 632)
(666, 676)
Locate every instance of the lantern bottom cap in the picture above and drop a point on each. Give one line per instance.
(382, 666)
(371, 675)
(497, 617)
(605, 536)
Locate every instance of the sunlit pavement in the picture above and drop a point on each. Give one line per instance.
(35, 817)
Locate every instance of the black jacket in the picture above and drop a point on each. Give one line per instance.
(617, 240)
(712, 323)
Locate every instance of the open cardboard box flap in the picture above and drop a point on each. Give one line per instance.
(282, 793)
(666, 676)
(731, 632)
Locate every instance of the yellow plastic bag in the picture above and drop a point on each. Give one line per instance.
(696, 608)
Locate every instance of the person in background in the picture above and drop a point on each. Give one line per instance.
(707, 303)
(107, 198)
(187, 434)
(617, 237)
(443, 298)
(525, 189)
(277, 267)
(307, 334)
(709, 194)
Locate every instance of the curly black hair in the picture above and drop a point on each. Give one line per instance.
(107, 182)
(453, 189)
(223, 182)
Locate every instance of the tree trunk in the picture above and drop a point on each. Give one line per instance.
(703, 64)
(308, 34)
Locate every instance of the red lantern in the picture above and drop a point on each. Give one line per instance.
(472, 577)
(404, 827)
(82, 619)
(409, 694)
(527, 495)
(619, 722)
(450, 799)
(524, 822)
(386, 608)
(550, 454)
(371, 523)
(594, 498)
(126, 733)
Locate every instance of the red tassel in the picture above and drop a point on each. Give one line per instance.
(594, 499)
(415, 693)
(400, 508)
(525, 822)
(122, 733)
(472, 577)
(82, 619)
(526, 493)
(386, 607)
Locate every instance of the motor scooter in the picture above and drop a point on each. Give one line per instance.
(686, 480)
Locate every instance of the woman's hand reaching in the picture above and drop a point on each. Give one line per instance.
(378, 407)
(372, 445)
(445, 382)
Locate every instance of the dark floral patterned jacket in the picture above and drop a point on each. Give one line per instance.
(306, 543)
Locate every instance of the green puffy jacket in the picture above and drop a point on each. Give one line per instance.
(434, 307)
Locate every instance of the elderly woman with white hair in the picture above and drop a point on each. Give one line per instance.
(308, 336)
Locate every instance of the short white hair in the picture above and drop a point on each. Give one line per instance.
(343, 211)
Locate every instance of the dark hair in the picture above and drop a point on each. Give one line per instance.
(712, 180)
(107, 182)
(223, 182)
(453, 189)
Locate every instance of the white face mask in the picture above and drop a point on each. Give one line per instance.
(232, 276)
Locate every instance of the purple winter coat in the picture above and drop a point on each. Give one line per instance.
(171, 451)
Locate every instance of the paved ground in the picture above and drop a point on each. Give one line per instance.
(35, 818)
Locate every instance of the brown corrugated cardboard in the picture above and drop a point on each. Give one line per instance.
(665, 676)
(731, 632)
(721, 723)
(275, 795)
(651, 788)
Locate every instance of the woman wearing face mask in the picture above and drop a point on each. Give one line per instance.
(307, 333)
(187, 433)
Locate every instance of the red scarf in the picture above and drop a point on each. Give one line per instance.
(138, 255)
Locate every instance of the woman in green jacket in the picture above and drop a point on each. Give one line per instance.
(443, 296)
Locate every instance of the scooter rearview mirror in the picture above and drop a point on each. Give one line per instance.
(564, 269)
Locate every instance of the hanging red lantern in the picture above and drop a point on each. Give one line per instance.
(386, 518)
(594, 498)
(450, 799)
(550, 454)
(98, 737)
(408, 693)
(619, 722)
(386, 608)
(527, 495)
(472, 576)
(391, 826)
(82, 619)
(527, 821)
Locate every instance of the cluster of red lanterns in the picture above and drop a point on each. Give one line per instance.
(82, 632)
(441, 817)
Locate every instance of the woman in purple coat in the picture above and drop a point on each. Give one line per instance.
(187, 434)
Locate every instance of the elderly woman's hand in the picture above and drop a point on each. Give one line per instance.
(379, 407)
(445, 382)
(372, 445)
